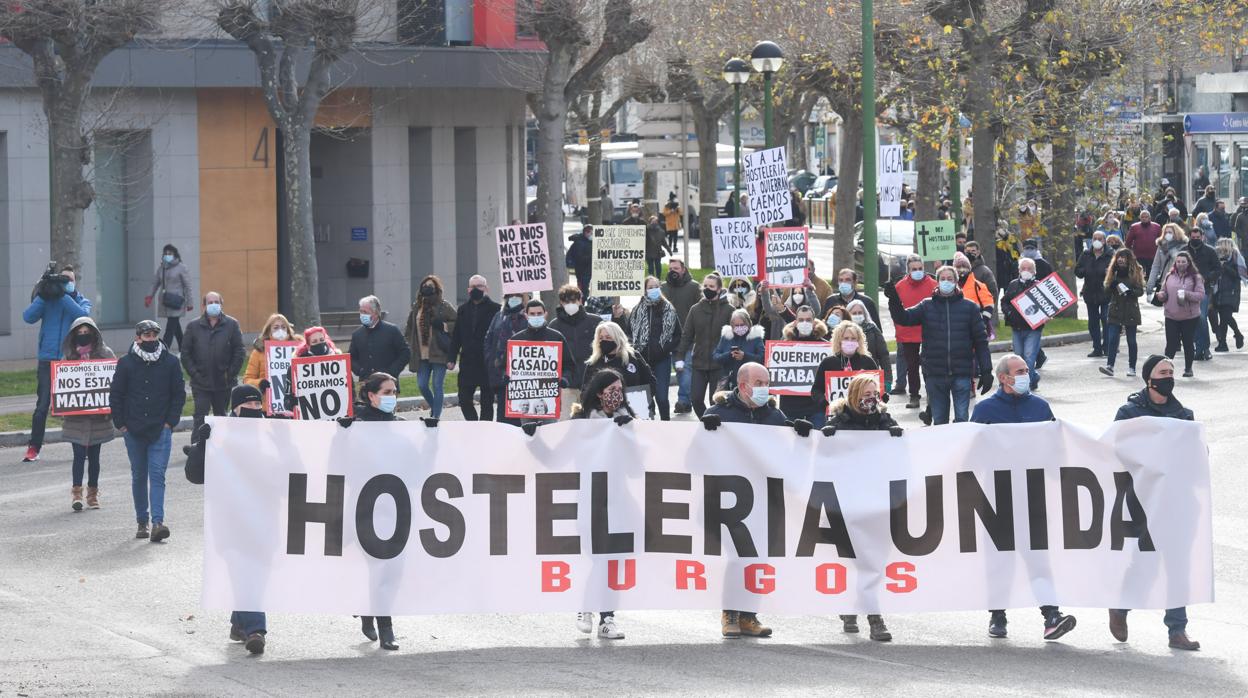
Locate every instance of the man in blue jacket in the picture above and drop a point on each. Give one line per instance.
(1014, 403)
(56, 305)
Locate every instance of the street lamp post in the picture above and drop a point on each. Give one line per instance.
(736, 73)
(767, 59)
(870, 256)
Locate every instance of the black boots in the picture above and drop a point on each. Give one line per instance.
(384, 630)
(387, 637)
(366, 627)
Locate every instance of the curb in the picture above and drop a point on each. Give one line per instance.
(1056, 340)
(9, 439)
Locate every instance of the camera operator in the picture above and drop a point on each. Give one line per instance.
(56, 303)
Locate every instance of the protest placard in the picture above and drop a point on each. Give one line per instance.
(638, 398)
(792, 365)
(619, 267)
(1043, 300)
(322, 387)
(735, 244)
(277, 356)
(935, 241)
(523, 258)
(787, 255)
(892, 164)
(837, 384)
(767, 183)
(81, 387)
(533, 372)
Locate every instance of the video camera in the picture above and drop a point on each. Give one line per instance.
(51, 285)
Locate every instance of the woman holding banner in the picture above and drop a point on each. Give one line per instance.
(86, 432)
(849, 353)
(656, 333)
(804, 328)
(603, 398)
(611, 351)
(276, 329)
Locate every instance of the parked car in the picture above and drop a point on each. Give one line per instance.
(801, 180)
(823, 186)
(894, 240)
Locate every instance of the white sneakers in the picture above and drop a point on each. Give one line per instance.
(607, 630)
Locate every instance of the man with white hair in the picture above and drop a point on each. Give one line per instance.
(1014, 403)
(377, 345)
(472, 321)
(1026, 340)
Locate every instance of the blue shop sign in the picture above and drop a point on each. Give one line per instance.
(1224, 122)
(359, 235)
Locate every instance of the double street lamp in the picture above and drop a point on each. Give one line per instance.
(766, 58)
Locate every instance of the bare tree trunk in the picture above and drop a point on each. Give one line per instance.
(552, 114)
(593, 164)
(927, 162)
(706, 127)
(1057, 217)
(297, 180)
(847, 190)
(799, 145)
(71, 192)
(649, 194)
(983, 154)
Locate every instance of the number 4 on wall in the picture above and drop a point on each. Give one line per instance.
(261, 153)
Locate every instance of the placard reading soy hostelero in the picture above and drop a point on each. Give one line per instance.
(619, 267)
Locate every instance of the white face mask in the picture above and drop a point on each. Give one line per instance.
(798, 298)
(1026, 275)
(859, 319)
(1169, 237)
(280, 334)
(805, 328)
(1097, 244)
(759, 395)
(571, 308)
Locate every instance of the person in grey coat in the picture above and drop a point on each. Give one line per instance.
(173, 281)
(212, 355)
(86, 432)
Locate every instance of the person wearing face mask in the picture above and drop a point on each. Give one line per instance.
(847, 290)
(1206, 203)
(612, 350)
(976, 290)
(912, 289)
(171, 291)
(1156, 400)
(315, 342)
(750, 403)
(1124, 284)
(1025, 340)
(430, 323)
(877, 345)
(578, 327)
(509, 320)
(741, 294)
(580, 257)
(683, 294)
(657, 244)
(739, 343)
(247, 402)
(1221, 222)
(539, 330)
(1014, 403)
(377, 345)
(1142, 239)
(954, 343)
(1205, 257)
(777, 314)
(212, 354)
(806, 327)
(849, 353)
(1091, 266)
(472, 322)
(1231, 271)
(1182, 293)
(1239, 223)
(146, 398)
(980, 270)
(55, 306)
(278, 329)
(655, 335)
(1008, 252)
(699, 336)
(87, 433)
(1170, 243)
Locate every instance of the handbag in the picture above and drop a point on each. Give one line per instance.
(172, 301)
(443, 340)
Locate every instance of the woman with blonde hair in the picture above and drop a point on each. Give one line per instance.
(1172, 241)
(1226, 294)
(849, 353)
(612, 350)
(278, 329)
(862, 410)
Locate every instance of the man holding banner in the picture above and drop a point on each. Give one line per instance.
(1026, 340)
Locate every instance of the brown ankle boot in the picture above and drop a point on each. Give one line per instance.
(76, 493)
(729, 623)
(1180, 641)
(93, 498)
(750, 627)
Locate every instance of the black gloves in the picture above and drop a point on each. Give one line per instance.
(431, 422)
(288, 401)
(529, 428)
(711, 422)
(564, 384)
(985, 382)
(622, 419)
(829, 430)
(264, 385)
(345, 422)
(890, 289)
(884, 397)
(894, 431)
(203, 432)
(802, 427)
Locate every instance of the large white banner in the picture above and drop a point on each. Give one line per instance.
(401, 518)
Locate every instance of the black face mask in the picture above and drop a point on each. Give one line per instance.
(150, 346)
(1165, 386)
(427, 290)
(1197, 243)
(972, 256)
(710, 294)
(673, 278)
(250, 413)
(608, 346)
(962, 276)
(318, 349)
(84, 340)
(1121, 271)
(476, 294)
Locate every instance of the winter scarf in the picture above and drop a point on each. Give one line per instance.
(149, 357)
(641, 324)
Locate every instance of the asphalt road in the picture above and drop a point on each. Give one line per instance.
(85, 608)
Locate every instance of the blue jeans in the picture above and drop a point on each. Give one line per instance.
(431, 378)
(1202, 329)
(148, 460)
(1112, 334)
(662, 386)
(684, 380)
(1027, 345)
(249, 622)
(940, 389)
(1097, 313)
(1175, 619)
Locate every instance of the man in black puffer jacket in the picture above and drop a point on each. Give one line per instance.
(953, 338)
